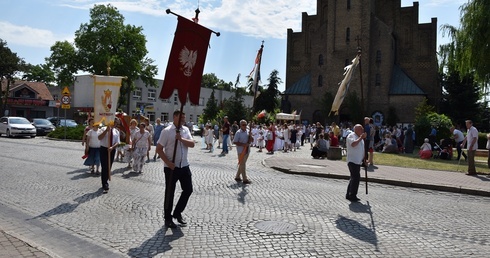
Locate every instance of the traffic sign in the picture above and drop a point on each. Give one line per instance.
(66, 91)
(65, 99)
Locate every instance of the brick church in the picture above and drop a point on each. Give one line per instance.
(398, 62)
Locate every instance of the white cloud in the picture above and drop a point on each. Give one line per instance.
(435, 3)
(261, 19)
(28, 36)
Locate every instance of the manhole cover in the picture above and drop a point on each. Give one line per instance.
(276, 227)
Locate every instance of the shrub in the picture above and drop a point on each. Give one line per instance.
(72, 133)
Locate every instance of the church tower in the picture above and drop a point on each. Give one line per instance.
(398, 61)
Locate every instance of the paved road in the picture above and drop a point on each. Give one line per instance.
(50, 202)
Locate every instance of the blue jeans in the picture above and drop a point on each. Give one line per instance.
(225, 142)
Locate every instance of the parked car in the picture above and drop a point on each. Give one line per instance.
(196, 130)
(43, 126)
(54, 120)
(68, 123)
(16, 126)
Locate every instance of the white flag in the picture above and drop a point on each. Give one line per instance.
(106, 93)
(344, 85)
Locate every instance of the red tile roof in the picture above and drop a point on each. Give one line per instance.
(39, 87)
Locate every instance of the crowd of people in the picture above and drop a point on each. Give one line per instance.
(133, 146)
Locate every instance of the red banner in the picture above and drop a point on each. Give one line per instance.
(186, 62)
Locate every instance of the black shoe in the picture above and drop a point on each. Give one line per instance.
(170, 224)
(180, 219)
(352, 199)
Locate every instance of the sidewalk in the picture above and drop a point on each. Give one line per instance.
(456, 182)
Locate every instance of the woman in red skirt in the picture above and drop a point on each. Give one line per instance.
(271, 138)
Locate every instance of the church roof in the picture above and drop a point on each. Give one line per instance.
(402, 84)
(301, 87)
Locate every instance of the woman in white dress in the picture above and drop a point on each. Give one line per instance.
(279, 143)
(209, 138)
(141, 141)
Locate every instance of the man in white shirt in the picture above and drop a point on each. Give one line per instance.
(355, 158)
(458, 138)
(176, 167)
(472, 139)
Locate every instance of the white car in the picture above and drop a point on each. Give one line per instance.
(16, 126)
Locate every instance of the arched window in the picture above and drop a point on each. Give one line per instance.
(378, 56)
(320, 81)
(320, 60)
(378, 79)
(348, 4)
(347, 35)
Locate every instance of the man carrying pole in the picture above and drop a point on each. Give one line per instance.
(184, 73)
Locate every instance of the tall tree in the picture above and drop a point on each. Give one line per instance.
(39, 73)
(10, 66)
(234, 108)
(104, 41)
(209, 80)
(470, 47)
(268, 98)
(460, 98)
(211, 110)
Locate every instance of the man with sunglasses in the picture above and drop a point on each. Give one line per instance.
(242, 140)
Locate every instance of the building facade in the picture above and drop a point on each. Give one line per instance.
(29, 100)
(398, 61)
(144, 100)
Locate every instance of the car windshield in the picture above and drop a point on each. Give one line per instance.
(19, 121)
(42, 122)
(68, 122)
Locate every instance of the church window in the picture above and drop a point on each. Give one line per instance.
(347, 35)
(348, 4)
(346, 62)
(320, 81)
(378, 79)
(320, 60)
(378, 56)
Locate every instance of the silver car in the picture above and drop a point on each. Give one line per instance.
(16, 126)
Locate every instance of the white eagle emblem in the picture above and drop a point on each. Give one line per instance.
(188, 59)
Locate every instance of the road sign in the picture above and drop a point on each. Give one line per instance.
(65, 99)
(66, 91)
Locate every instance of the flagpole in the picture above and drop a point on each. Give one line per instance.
(362, 112)
(197, 13)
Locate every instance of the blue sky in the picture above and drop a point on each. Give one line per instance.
(31, 27)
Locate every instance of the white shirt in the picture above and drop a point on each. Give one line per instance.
(104, 141)
(355, 154)
(167, 140)
(94, 141)
(471, 136)
(458, 135)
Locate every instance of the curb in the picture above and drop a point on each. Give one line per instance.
(441, 188)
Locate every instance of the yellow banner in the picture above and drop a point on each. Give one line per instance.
(106, 93)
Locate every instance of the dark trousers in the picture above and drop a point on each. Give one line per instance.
(460, 151)
(366, 148)
(104, 164)
(355, 177)
(183, 175)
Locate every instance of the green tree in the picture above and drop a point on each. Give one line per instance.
(234, 108)
(211, 110)
(209, 80)
(10, 66)
(426, 118)
(63, 62)
(469, 48)
(461, 97)
(39, 73)
(104, 41)
(268, 98)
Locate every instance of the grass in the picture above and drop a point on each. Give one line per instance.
(413, 161)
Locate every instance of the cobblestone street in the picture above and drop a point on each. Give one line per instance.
(51, 201)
